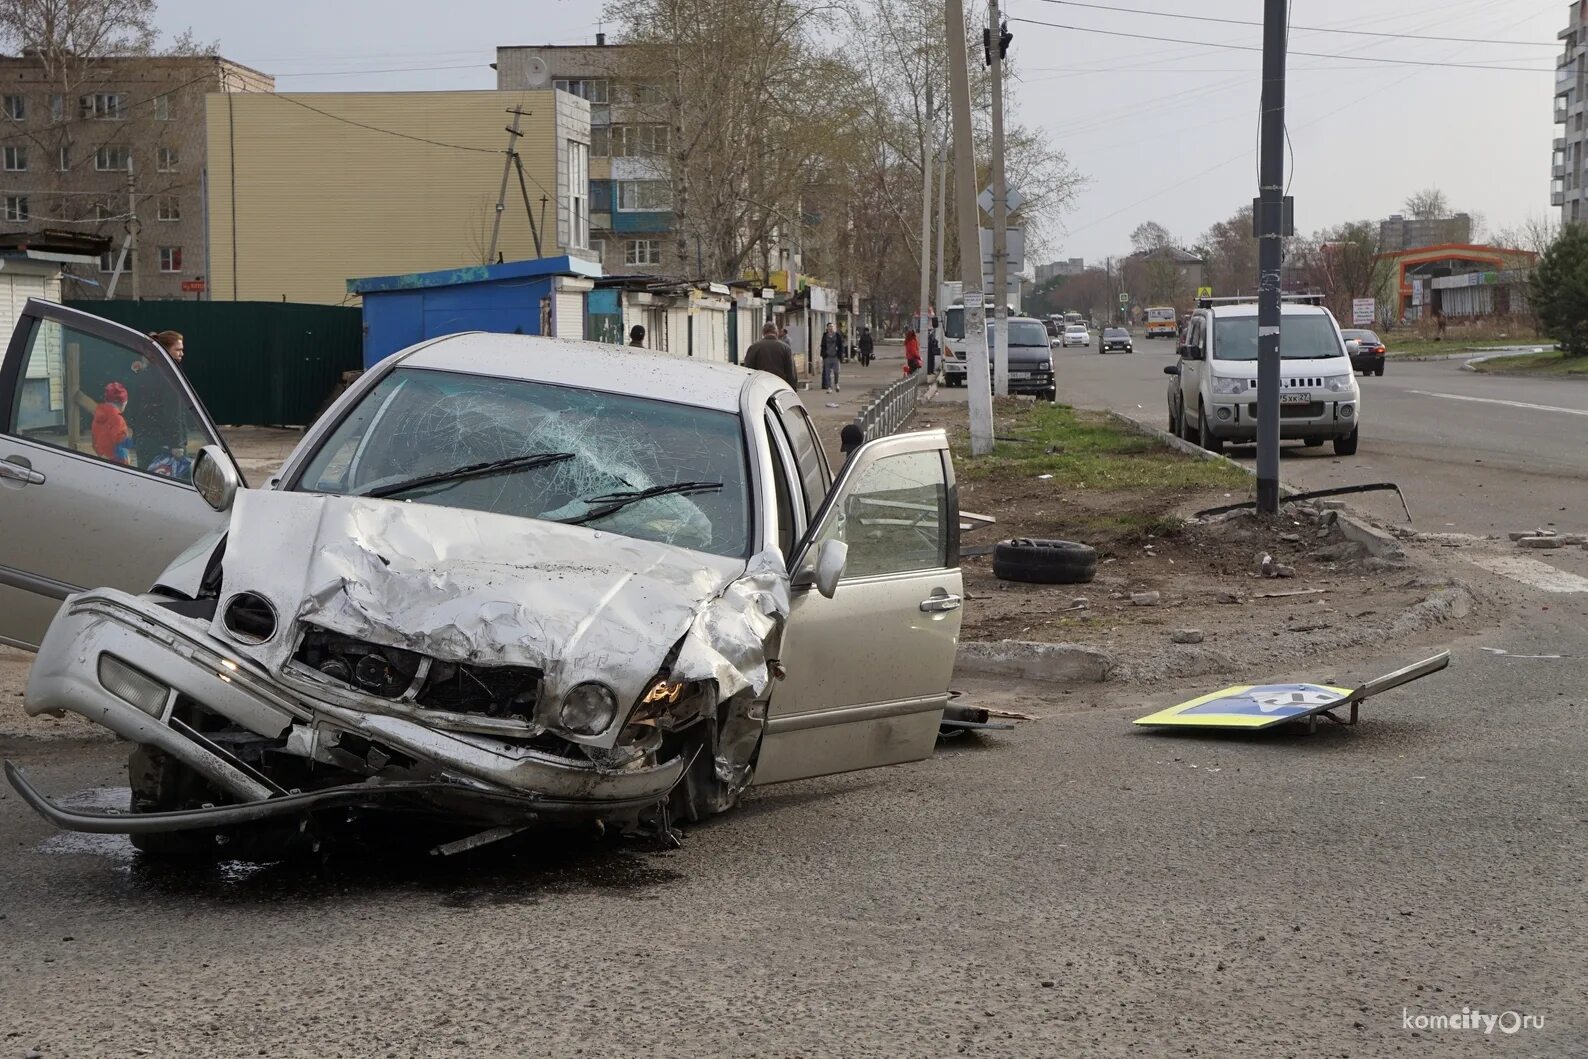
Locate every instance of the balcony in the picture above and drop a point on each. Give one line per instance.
(1557, 198)
(1560, 110)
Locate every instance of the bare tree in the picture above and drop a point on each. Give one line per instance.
(1428, 204)
(1150, 236)
(1538, 233)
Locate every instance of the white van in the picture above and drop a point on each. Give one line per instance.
(1213, 389)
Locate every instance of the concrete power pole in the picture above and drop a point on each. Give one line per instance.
(924, 320)
(132, 233)
(979, 396)
(1000, 210)
(1270, 252)
(501, 194)
(941, 158)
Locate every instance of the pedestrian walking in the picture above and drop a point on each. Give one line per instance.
(832, 353)
(771, 354)
(158, 410)
(867, 345)
(912, 352)
(637, 336)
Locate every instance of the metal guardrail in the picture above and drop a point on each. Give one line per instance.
(889, 409)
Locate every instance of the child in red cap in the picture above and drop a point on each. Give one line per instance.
(112, 435)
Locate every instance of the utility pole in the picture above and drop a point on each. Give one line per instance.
(1000, 210)
(924, 320)
(501, 194)
(1270, 252)
(132, 231)
(941, 157)
(979, 397)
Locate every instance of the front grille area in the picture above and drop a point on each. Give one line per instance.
(507, 692)
(1293, 411)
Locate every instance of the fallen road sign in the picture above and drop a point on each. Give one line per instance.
(1250, 707)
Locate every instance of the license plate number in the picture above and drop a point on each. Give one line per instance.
(1020, 375)
(1295, 398)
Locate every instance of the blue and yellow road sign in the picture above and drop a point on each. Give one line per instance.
(1251, 706)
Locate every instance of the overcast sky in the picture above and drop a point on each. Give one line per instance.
(1164, 130)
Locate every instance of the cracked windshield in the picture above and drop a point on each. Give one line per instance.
(646, 469)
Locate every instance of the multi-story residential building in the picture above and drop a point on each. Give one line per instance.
(1073, 267)
(1569, 166)
(309, 190)
(1408, 233)
(114, 147)
(631, 219)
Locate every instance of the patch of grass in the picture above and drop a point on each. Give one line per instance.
(1553, 362)
(1427, 347)
(1087, 450)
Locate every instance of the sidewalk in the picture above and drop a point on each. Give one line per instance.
(831, 411)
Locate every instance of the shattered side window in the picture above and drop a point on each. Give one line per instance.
(601, 452)
(894, 516)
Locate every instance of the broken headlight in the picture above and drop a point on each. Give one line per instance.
(132, 685)
(588, 709)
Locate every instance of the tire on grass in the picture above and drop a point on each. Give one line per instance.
(1044, 562)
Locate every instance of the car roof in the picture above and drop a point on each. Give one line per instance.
(1250, 309)
(589, 366)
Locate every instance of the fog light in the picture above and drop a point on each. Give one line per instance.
(588, 709)
(1346, 411)
(130, 685)
(1224, 412)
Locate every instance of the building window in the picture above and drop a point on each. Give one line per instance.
(644, 195)
(112, 159)
(107, 261)
(65, 160)
(599, 248)
(640, 141)
(600, 143)
(165, 159)
(593, 89)
(168, 208)
(16, 107)
(16, 207)
(102, 106)
(162, 108)
(578, 194)
(640, 93)
(16, 159)
(57, 108)
(642, 252)
(170, 259)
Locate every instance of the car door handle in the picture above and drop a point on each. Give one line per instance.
(18, 472)
(938, 604)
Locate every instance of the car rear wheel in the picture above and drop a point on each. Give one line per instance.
(1379, 371)
(1044, 562)
(1206, 437)
(1346, 446)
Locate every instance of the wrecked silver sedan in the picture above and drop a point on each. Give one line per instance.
(503, 580)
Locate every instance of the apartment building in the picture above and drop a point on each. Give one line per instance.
(1398, 232)
(309, 190)
(115, 147)
(631, 219)
(1072, 267)
(1568, 185)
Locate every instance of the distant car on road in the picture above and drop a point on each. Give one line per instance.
(1114, 338)
(1076, 335)
(1370, 353)
(1052, 327)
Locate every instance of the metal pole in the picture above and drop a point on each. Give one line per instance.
(937, 290)
(924, 318)
(1271, 190)
(1000, 210)
(979, 397)
(501, 193)
(132, 233)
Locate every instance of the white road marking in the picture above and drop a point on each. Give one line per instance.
(1531, 572)
(1496, 400)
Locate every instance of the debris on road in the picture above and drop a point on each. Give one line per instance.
(1146, 599)
(1542, 543)
(1247, 707)
(1186, 636)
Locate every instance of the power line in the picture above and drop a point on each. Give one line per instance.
(1309, 54)
(376, 128)
(387, 70)
(1303, 29)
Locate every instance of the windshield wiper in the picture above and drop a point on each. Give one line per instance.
(611, 502)
(472, 470)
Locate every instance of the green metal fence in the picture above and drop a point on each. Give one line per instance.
(253, 363)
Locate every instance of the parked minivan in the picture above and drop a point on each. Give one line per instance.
(1213, 387)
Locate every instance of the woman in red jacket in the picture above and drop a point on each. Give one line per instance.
(912, 352)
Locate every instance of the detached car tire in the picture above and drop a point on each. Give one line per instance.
(1044, 562)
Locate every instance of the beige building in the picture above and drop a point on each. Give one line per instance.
(111, 146)
(631, 215)
(307, 191)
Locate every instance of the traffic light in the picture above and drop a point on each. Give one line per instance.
(1004, 37)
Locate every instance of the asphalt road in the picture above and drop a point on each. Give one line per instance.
(1473, 453)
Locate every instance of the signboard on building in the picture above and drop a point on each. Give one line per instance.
(1362, 311)
(1417, 290)
(823, 299)
(194, 286)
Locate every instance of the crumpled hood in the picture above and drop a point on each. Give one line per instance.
(469, 586)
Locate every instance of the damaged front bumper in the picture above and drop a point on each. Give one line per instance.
(403, 761)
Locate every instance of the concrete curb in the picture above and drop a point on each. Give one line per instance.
(1179, 444)
(1497, 355)
(1059, 663)
(1378, 543)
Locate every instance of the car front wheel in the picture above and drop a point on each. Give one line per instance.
(1206, 437)
(1346, 446)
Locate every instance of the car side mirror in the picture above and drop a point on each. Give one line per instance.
(1171, 369)
(1353, 347)
(216, 478)
(830, 560)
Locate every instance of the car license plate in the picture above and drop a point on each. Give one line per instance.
(1020, 375)
(1295, 398)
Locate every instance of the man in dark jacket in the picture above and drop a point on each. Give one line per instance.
(832, 350)
(773, 355)
(866, 344)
